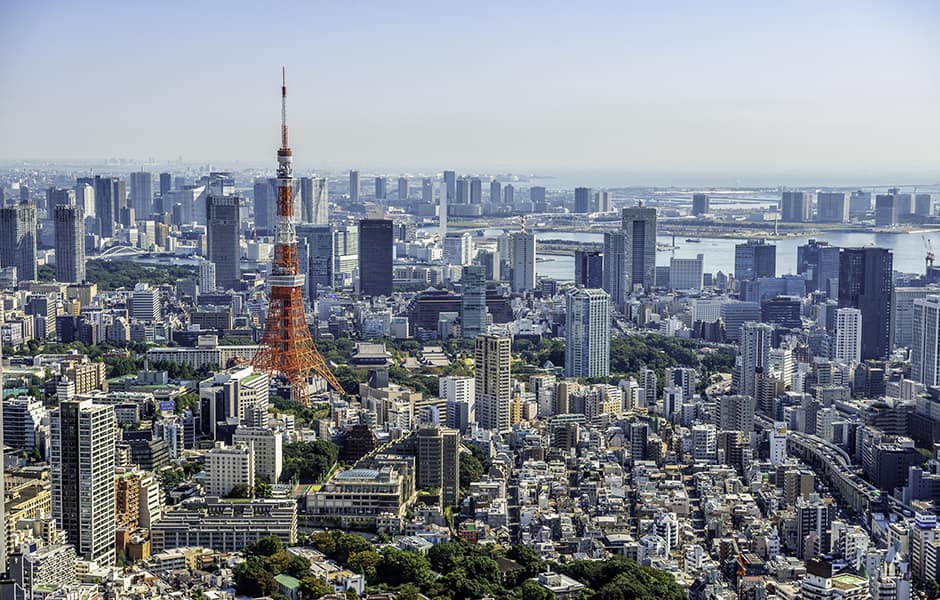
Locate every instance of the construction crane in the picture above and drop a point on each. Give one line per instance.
(928, 260)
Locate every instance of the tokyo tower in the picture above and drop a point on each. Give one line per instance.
(286, 346)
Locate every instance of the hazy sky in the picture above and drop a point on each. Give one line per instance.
(739, 88)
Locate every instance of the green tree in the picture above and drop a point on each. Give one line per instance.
(253, 579)
(364, 562)
(312, 588)
(308, 461)
(241, 490)
(266, 546)
(398, 567)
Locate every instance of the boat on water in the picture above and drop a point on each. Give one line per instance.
(694, 241)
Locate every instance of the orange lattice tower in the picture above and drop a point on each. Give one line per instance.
(286, 346)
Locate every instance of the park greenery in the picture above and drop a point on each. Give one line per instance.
(116, 274)
(308, 462)
(460, 570)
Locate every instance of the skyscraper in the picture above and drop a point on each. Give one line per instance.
(104, 205)
(462, 195)
(523, 261)
(319, 243)
(18, 240)
(166, 184)
(264, 205)
(847, 345)
(818, 262)
(509, 194)
(314, 207)
(491, 374)
(402, 189)
(754, 259)
(223, 236)
(886, 210)
(537, 195)
(925, 353)
(587, 333)
(615, 266)
(141, 194)
(588, 269)
(496, 192)
(796, 207)
(832, 207)
(755, 353)
(450, 187)
(375, 257)
(700, 204)
(639, 226)
(859, 203)
(582, 200)
(380, 192)
(354, 187)
(82, 458)
(473, 301)
(69, 244)
(476, 191)
(427, 191)
(866, 283)
(686, 274)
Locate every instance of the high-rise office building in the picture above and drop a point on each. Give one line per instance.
(866, 283)
(735, 413)
(923, 205)
(223, 232)
(796, 207)
(319, 242)
(82, 459)
(925, 352)
(847, 342)
(509, 194)
(457, 248)
(69, 244)
(207, 283)
(438, 462)
(639, 226)
(537, 195)
(523, 261)
(700, 204)
(375, 257)
(141, 199)
(582, 200)
(18, 240)
(85, 195)
(460, 394)
(588, 269)
(818, 263)
(427, 191)
(314, 203)
(473, 301)
(354, 187)
(104, 205)
(145, 303)
(832, 207)
(615, 266)
(755, 354)
(496, 192)
(56, 196)
(859, 203)
(754, 259)
(886, 210)
(463, 191)
(264, 204)
(603, 201)
(476, 191)
(402, 189)
(686, 274)
(587, 333)
(380, 191)
(166, 184)
(492, 362)
(450, 187)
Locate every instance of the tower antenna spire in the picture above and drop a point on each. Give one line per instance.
(283, 108)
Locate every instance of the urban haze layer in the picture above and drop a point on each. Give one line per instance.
(251, 383)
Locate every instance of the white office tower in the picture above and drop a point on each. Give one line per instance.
(207, 283)
(459, 394)
(267, 447)
(458, 249)
(925, 353)
(686, 274)
(229, 466)
(755, 351)
(847, 345)
(523, 261)
(82, 458)
(145, 303)
(492, 365)
(587, 333)
(925, 531)
(777, 441)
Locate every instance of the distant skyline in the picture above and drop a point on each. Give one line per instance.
(686, 92)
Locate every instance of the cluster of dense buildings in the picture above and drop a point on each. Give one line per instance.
(806, 467)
